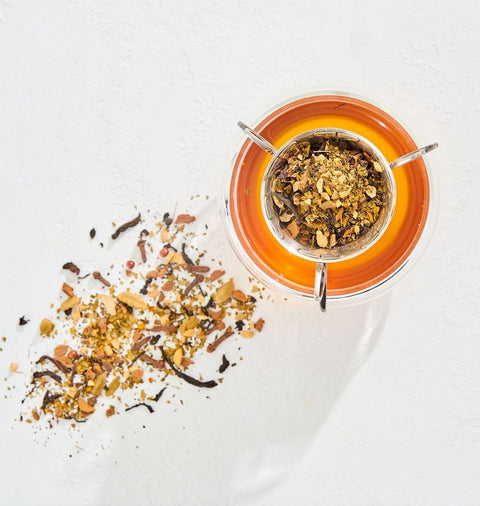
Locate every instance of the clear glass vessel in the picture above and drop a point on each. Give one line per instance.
(352, 280)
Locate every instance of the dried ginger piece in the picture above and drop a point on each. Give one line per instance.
(132, 300)
(46, 327)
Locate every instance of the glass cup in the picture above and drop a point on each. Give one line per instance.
(337, 253)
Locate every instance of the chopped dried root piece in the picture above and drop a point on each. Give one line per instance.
(85, 406)
(215, 275)
(137, 375)
(258, 326)
(322, 241)
(293, 228)
(132, 300)
(67, 290)
(60, 350)
(46, 327)
(240, 296)
(69, 303)
(110, 411)
(186, 362)
(184, 218)
(168, 285)
(109, 303)
(177, 356)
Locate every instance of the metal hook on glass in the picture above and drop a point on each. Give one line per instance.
(320, 289)
(409, 157)
(269, 148)
(257, 139)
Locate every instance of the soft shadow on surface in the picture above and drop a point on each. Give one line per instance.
(241, 440)
(232, 443)
(312, 368)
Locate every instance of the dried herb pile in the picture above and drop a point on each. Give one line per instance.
(327, 192)
(121, 338)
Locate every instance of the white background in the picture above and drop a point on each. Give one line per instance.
(108, 105)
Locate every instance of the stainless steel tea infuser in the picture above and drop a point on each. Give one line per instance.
(323, 256)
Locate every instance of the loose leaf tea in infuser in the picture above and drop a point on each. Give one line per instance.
(327, 193)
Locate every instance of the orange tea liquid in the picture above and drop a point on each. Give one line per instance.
(383, 258)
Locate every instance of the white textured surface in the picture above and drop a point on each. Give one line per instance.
(108, 105)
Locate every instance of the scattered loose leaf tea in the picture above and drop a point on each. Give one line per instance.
(70, 266)
(144, 404)
(22, 321)
(123, 338)
(225, 363)
(129, 224)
